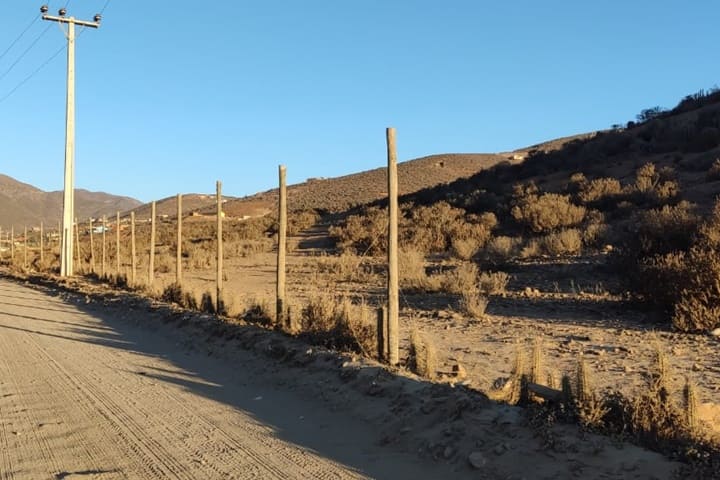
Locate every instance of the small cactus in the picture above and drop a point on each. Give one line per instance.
(660, 376)
(583, 390)
(691, 405)
(516, 378)
(536, 367)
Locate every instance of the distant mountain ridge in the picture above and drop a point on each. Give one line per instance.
(22, 204)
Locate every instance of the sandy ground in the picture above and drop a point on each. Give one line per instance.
(105, 385)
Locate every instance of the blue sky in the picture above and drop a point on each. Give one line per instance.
(174, 95)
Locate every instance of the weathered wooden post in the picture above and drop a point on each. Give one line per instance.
(25, 248)
(393, 330)
(151, 266)
(281, 251)
(117, 244)
(178, 249)
(42, 246)
(77, 245)
(382, 351)
(133, 252)
(92, 247)
(219, 274)
(103, 268)
(60, 232)
(12, 244)
(1, 243)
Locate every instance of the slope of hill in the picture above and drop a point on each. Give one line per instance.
(339, 194)
(22, 204)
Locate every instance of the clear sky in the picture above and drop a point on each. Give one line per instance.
(174, 95)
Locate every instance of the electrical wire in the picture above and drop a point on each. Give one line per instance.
(45, 63)
(35, 72)
(27, 50)
(14, 42)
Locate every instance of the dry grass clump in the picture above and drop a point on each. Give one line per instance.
(564, 242)
(347, 267)
(363, 234)
(412, 273)
(493, 283)
(336, 322)
(422, 356)
(499, 250)
(462, 278)
(474, 304)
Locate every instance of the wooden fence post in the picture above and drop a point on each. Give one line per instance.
(280, 305)
(77, 245)
(103, 268)
(219, 274)
(12, 244)
(25, 247)
(151, 267)
(92, 247)
(117, 244)
(393, 331)
(42, 246)
(1, 243)
(178, 250)
(133, 252)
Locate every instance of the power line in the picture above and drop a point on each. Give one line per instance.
(35, 72)
(14, 42)
(27, 50)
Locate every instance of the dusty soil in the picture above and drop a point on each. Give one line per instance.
(101, 384)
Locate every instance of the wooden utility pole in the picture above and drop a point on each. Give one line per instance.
(393, 330)
(178, 250)
(133, 252)
(117, 244)
(219, 274)
(103, 268)
(151, 267)
(281, 251)
(42, 246)
(92, 247)
(66, 257)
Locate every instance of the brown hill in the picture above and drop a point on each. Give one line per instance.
(22, 204)
(191, 202)
(339, 194)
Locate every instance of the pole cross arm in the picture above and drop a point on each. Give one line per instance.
(83, 23)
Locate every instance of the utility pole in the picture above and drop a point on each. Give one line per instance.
(66, 238)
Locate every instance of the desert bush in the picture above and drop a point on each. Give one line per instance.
(532, 248)
(474, 304)
(493, 283)
(564, 242)
(499, 250)
(596, 235)
(363, 234)
(301, 220)
(412, 273)
(440, 227)
(547, 212)
(662, 230)
(654, 186)
(336, 322)
(347, 267)
(465, 248)
(422, 356)
(462, 278)
(698, 307)
(600, 191)
(713, 172)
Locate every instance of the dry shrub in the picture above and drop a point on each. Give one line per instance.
(600, 190)
(440, 227)
(462, 278)
(336, 322)
(301, 220)
(493, 283)
(564, 242)
(363, 234)
(546, 212)
(347, 267)
(713, 172)
(412, 273)
(596, 235)
(499, 250)
(531, 249)
(698, 307)
(259, 311)
(465, 248)
(654, 185)
(474, 304)
(422, 356)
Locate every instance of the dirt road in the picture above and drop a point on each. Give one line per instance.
(86, 394)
